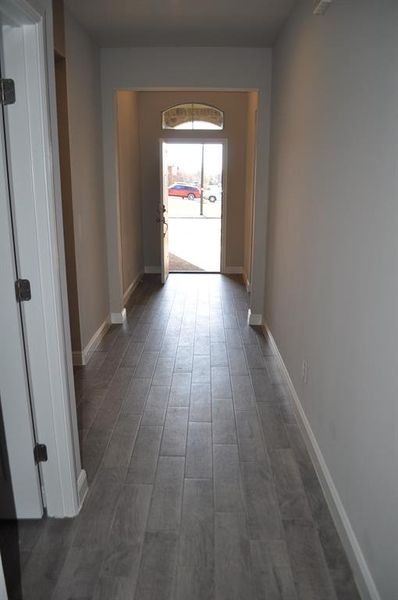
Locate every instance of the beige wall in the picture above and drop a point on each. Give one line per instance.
(332, 277)
(234, 105)
(84, 110)
(252, 101)
(129, 187)
(67, 202)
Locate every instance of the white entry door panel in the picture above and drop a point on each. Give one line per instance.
(163, 214)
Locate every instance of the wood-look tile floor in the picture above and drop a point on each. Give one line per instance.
(201, 487)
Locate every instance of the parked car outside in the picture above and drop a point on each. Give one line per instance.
(184, 190)
(212, 193)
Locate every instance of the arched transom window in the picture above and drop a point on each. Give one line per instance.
(193, 116)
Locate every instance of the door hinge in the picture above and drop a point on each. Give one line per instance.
(7, 91)
(40, 453)
(22, 290)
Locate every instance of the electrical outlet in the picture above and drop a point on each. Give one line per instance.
(304, 372)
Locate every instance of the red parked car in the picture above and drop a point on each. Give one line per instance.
(184, 190)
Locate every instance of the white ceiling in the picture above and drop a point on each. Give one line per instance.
(252, 23)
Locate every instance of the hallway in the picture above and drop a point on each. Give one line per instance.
(200, 484)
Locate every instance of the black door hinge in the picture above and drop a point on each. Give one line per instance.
(40, 453)
(7, 91)
(22, 290)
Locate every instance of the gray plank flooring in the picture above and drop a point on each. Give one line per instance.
(200, 485)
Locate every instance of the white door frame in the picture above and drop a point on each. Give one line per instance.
(3, 589)
(170, 139)
(163, 216)
(47, 320)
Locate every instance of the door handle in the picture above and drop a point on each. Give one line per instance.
(164, 209)
(163, 220)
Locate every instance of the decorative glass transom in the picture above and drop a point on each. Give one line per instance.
(192, 116)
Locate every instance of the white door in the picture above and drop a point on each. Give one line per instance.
(20, 473)
(30, 130)
(163, 215)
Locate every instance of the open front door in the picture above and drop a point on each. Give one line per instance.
(163, 215)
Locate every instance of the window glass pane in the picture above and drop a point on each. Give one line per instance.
(204, 125)
(192, 116)
(186, 125)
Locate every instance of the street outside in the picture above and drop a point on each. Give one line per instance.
(182, 207)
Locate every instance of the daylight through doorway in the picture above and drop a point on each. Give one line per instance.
(194, 176)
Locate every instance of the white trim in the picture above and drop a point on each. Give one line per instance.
(81, 358)
(254, 319)
(152, 270)
(362, 574)
(132, 287)
(119, 318)
(224, 206)
(3, 589)
(82, 487)
(163, 209)
(60, 486)
(232, 270)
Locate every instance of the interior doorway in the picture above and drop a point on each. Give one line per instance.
(194, 180)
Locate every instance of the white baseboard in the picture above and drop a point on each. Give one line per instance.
(362, 574)
(82, 358)
(82, 487)
(233, 270)
(133, 285)
(152, 269)
(119, 317)
(254, 319)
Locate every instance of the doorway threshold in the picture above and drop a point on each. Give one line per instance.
(195, 272)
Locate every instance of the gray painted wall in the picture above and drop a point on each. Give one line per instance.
(251, 134)
(129, 187)
(332, 273)
(84, 109)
